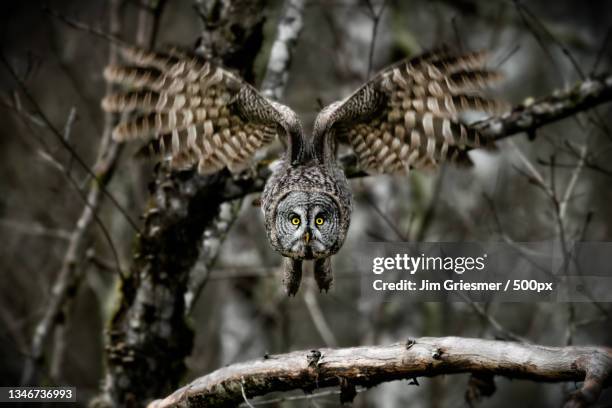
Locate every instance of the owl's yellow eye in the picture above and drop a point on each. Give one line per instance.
(319, 221)
(295, 221)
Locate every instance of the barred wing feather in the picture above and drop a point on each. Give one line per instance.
(193, 112)
(409, 115)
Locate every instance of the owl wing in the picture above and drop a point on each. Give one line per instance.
(408, 116)
(191, 111)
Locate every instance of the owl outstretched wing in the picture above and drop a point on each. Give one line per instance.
(192, 111)
(409, 115)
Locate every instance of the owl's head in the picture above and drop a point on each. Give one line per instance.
(308, 225)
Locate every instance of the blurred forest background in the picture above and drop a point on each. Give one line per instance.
(557, 186)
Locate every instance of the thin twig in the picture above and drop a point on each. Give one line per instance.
(390, 223)
(68, 131)
(507, 57)
(375, 16)
(36, 229)
(430, 212)
(532, 172)
(572, 183)
(602, 51)
(457, 33)
(79, 25)
(318, 318)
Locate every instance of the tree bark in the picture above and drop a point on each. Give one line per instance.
(369, 366)
(149, 333)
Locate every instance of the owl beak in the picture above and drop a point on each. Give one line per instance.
(307, 237)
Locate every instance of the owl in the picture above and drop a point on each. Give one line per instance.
(191, 112)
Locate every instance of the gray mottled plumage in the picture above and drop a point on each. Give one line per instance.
(192, 112)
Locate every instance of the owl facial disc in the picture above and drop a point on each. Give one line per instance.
(307, 225)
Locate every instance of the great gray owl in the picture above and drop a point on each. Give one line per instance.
(192, 112)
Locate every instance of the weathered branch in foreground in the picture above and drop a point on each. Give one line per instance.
(428, 356)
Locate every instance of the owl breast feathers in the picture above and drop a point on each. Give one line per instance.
(191, 112)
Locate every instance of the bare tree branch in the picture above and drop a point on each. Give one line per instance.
(428, 356)
(561, 104)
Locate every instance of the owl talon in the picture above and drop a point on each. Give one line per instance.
(292, 275)
(323, 274)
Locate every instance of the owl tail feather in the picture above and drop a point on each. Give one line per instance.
(292, 275)
(323, 273)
